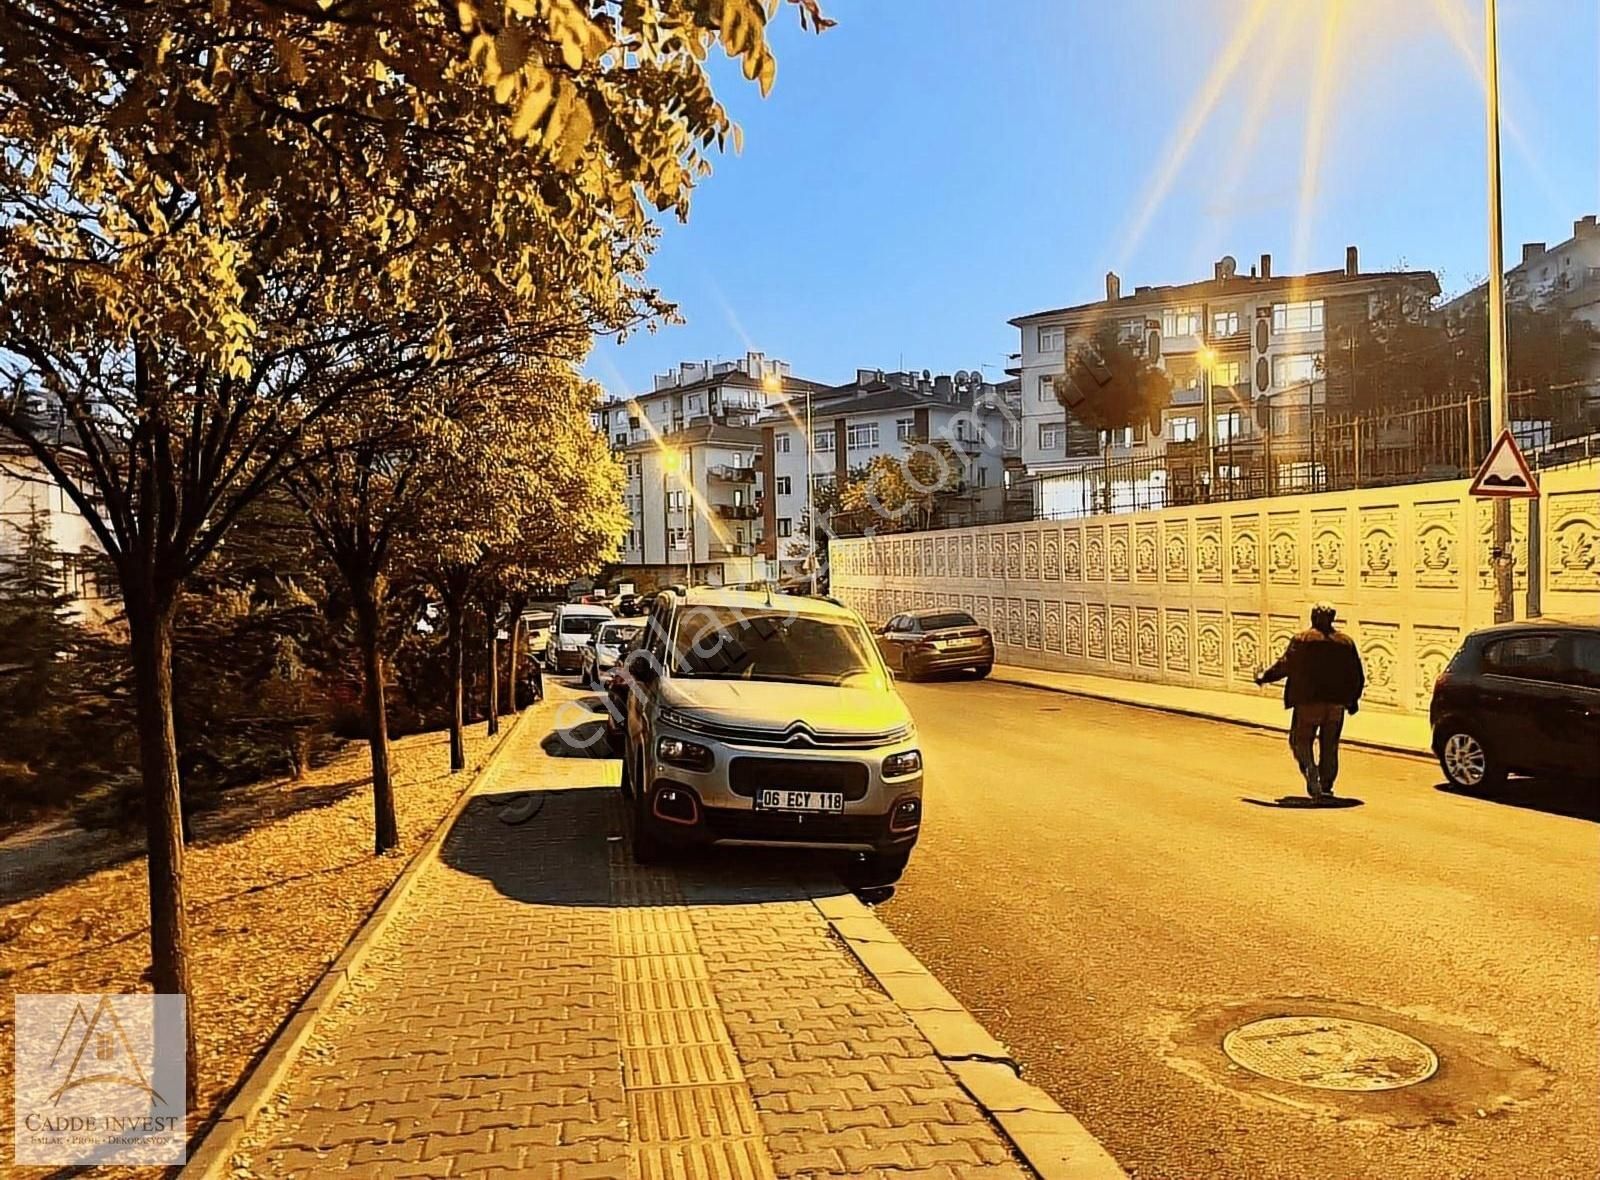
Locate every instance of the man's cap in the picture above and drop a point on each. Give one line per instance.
(1325, 609)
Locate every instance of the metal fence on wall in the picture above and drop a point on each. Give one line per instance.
(1291, 452)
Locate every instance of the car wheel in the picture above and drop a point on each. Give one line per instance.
(1467, 760)
(981, 671)
(625, 785)
(647, 847)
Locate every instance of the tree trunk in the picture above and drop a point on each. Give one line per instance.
(369, 634)
(491, 612)
(518, 604)
(150, 616)
(458, 675)
(512, 665)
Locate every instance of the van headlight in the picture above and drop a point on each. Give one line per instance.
(901, 764)
(688, 755)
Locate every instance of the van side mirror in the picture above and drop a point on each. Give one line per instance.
(642, 667)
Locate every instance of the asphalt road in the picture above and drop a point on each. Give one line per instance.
(1094, 884)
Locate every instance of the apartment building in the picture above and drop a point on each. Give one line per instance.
(878, 413)
(1272, 343)
(690, 448)
(25, 488)
(692, 506)
(696, 393)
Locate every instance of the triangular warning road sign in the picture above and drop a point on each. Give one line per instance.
(1504, 473)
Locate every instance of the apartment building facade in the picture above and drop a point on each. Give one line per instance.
(1272, 343)
(878, 413)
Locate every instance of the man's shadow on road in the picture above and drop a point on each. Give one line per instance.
(1305, 803)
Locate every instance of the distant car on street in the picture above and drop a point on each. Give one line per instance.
(571, 631)
(536, 627)
(601, 656)
(1519, 698)
(921, 642)
(768, 720)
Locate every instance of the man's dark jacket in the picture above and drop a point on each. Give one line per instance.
(1322, 667)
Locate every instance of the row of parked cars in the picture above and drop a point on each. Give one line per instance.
(751, 718)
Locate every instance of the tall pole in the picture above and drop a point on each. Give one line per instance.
(1211, 432)
(1498, 416)
(811, 518)
(688, 512)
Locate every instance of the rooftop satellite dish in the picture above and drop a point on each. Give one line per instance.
(1229, 266)
(962, 377)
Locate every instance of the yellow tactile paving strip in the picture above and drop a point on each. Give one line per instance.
(691, 1113)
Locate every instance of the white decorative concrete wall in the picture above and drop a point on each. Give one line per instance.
(1206, 595)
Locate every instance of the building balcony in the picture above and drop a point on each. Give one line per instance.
(738, 511)
(730, 474)
(730, 549)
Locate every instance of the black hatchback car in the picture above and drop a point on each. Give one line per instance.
(1520, 697)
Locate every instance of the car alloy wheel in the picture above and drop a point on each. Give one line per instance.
(1465, 760)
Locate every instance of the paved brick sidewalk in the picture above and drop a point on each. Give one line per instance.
(540, 1007)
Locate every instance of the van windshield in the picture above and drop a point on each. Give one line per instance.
(725, 643)
(581, 624)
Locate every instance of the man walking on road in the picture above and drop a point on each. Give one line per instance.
(1324, 678)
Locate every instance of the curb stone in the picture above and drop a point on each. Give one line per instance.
(212, 1157)
(1050, 1140)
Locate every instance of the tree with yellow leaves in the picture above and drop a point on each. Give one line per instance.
(214, 216)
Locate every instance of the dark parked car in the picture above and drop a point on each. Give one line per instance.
(1520, 698)
(923, 641)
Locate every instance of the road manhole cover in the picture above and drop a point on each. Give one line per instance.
(1330, 1053)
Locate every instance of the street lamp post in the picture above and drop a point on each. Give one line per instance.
(1208, 357)
(1498, 408)
(811, 519)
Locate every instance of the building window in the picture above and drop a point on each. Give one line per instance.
(903, 428)
(694, 403)
(622, 440)
(1052, 435)
(780, 444)
(1225, 323)
(785, 526)
(1052, 339)
(1304, 316)
(1121, 437)
(1230, 424)
(860, 435)
(1185, 429)
(1131, 331)
(1226, 373)
(1013, 440)
(1180, 321)
(1295, 369)
(781, 485)
(1047, 389)
(823, 440)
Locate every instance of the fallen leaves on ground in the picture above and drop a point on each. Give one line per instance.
(278, 879)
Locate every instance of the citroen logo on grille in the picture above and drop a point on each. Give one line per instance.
(799, 734)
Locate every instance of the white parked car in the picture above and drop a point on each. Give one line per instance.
(571, 631)
(536, 626)
(605, 652)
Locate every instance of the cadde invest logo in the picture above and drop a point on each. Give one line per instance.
(100, 1079)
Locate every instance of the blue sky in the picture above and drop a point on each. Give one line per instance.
(930, 168)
